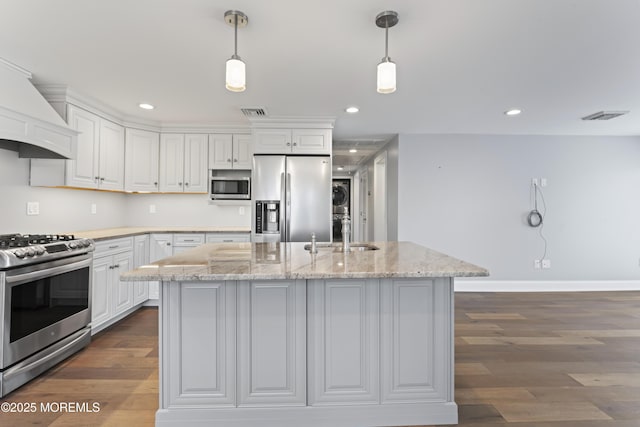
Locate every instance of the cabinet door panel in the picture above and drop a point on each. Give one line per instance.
(220, 151)
(101, 291)
(172, 163)
(111, 169)
(272, 141)
(160, 246)
(271, 343)
(343, 342)
(415, 338)
(195, 163)
(242, 152)
(123, 291)
(83, 170)
(140, 257)
(141, 160)
(311, 141)
(201, 355)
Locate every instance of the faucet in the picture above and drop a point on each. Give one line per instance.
(346, 230)
(314, 247)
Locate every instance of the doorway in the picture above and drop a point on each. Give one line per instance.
(380, 198)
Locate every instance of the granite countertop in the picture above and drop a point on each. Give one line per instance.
(253, 261)
(112, 233)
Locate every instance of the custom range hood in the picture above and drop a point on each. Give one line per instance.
(28, 124)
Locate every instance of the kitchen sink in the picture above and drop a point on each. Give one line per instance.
(337, 247)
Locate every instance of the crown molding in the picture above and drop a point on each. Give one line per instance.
(315, 122)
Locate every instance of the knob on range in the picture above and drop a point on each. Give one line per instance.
(20, 253)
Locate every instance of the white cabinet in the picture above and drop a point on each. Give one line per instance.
(160, 246)
(200, 372)
(110, 297)
(99, 161)
(415, 340)
(228, 237)
(272, 343)
(343, 342)
(186, 241)
(100, 290)
(122, 291)
(296, 141)
(183, 163)
(140, 257)
(141, 160)
(230, 151)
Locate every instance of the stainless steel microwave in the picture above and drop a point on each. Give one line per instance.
(230, 188)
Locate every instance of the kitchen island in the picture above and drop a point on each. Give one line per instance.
(268, 334)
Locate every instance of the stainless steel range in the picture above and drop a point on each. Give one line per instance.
(45, 303)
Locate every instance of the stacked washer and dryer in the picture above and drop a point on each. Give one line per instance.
(341, 198)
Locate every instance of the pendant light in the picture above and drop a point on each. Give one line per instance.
(236, 79)
(386, 67)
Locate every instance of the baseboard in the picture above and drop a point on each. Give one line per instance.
(471, 285)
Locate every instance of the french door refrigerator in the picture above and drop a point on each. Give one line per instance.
(291, 198)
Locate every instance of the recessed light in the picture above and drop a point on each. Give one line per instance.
(353, 150)
(352, 110)
(340, 168)
(145, 106)
(513, 112)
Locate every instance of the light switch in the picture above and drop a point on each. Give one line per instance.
(241, 210)
(94, 208)
(152, 209)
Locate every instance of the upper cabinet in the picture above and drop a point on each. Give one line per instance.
(99, 161)
(141, 167)
(183, 163)
(230, 151)
(292, 141)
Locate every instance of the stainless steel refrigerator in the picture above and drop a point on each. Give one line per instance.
(291, 198)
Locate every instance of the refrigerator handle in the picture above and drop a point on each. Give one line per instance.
(283, 209)
(288, 207)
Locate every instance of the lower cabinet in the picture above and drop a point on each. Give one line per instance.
(140, 257)
(111, 298)
(228, 237)
(271, 343)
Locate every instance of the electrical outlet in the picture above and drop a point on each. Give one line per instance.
(152, 209)
(536, 264)
(33, 208)
(534, 181)
(241, 210)
(543, 182)
(546, 263)
(94, 208)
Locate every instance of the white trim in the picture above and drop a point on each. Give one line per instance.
(14, 67)
(471, 285)
(301, 122)
(313, 416)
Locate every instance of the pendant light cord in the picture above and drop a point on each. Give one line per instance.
(235, 38)
(386, 41)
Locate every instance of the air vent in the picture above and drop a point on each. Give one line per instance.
(604, 115)
(254, 112)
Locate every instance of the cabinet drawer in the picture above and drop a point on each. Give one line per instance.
(112, 246)
(188, 239)
(227, 237)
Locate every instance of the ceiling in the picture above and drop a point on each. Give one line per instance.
(461, 64)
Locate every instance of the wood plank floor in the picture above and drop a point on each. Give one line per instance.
(522, 360)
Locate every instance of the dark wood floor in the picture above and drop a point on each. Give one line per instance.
(522, 359)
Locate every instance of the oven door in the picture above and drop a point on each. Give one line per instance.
(43, 303)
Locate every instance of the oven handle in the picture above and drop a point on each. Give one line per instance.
(39, 274)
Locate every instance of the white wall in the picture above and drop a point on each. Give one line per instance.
(183, 210)
(65, 210)
(468, 196)
(61, 210)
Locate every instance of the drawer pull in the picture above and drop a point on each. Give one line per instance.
(114, 247)
(188, 240)
(227, 240)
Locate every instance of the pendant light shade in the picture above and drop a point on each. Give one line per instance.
(236, 77)
(386, 82)
(386, 77)
(236, 80)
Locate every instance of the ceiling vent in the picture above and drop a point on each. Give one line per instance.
(254, 112)
(604, 115)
